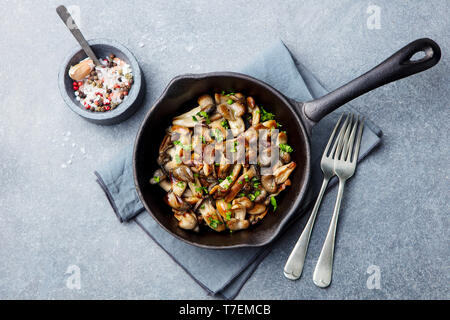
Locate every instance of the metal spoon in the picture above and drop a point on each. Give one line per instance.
(73, 28)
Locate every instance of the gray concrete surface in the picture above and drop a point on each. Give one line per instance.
(395, 211)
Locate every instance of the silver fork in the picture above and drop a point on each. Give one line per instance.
(344, 167)
(294, 265)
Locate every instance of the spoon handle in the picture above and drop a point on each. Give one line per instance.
(73, 28)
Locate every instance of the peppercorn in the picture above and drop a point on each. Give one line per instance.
(119, 79)
(112, 56)
(122, 96)
(109, 91)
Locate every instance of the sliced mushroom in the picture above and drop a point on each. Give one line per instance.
(255, 218)
(196, 187)
(224, 209)
(187, 220)
(270, 124)
(223, 170)
(229, 180)
(238, 109)
(237, 126)
(239, 184)
(175, 202)
(226, 112)
(178, 186)
(183, 173)
(268, 183)
(262, 196)
(285, 157)
(158, 176)
(258, 208)
(205, 100)
(239, 212)
(243, 202)
(282, 138)
(166, 185)
(237, 224)
(282, 173)
(210, 216)
(187, 119)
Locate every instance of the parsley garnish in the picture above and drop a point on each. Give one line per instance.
(286, 148)
(224, 124)
(266, 115)
(204, 115)
(273, 202)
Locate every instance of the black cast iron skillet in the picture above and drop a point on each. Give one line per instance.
(297, 118)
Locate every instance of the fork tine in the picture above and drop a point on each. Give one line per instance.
(351, 141)
(341, 148)
(358, 140)
(339, 137)
(332, 135)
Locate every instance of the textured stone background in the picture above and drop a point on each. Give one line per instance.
(395, 212)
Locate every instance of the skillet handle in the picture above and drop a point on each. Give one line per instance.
(396, 67)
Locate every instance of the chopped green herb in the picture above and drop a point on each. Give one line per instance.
(217, 164)
(194, 118)
(266, 115)
(200, 189)
(220, 180)
(156, 179)
(257, 193)
(246, 178)
(279, 125)
(180, 184)
(185, 147)
(240, 182)
(202, 206)
(196, 174)
(203, 140)
(252, 197)
(235, 144)
(204, 115)
(229, 179)
(216, 134)
(224, 124)
(241, 194)
(230, 101)
(229, 205)
(286, 148)
(273, 202)
(228, 215)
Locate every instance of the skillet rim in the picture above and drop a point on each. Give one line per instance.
(297, 112)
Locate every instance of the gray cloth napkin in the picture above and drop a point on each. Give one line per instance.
(276, 67)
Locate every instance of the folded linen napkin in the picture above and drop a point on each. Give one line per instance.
(276, 67)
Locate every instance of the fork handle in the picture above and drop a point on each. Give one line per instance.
(294, 265)
(324, 267)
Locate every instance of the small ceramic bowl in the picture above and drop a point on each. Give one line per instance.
(128, 107)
